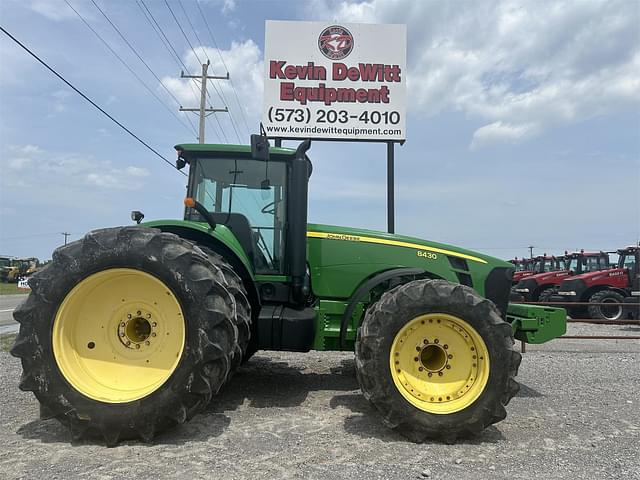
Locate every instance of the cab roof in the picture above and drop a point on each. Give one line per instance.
(220, 149)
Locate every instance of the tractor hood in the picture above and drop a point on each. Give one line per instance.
(340, 258)
(545, 277)
(373, 237)
(590, 277)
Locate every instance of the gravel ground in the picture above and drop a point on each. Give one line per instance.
(302, 416)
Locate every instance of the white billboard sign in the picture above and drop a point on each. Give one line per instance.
(335, 81)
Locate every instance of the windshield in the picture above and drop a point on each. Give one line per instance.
(248, 196)
(627, 261)
(591, 264)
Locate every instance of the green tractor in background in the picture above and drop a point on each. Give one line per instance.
(132, 330)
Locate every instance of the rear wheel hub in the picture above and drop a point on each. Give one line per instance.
(118, 335)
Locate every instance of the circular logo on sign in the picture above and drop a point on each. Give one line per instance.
(335, 42)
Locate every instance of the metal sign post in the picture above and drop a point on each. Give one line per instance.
(391, 220)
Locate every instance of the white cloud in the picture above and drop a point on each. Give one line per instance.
(75, 172)
(245, 66)
(18, 163)
(137, 172)
(228, 6)
(521, 67)
(30, 150)
(55, 10)
(501, 132)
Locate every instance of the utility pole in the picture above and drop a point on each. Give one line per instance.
(66, 234)
(203, 111)
(530, 247)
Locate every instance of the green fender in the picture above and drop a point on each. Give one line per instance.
(202, 233)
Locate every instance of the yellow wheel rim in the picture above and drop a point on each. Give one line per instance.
(118, 335)
(439, 363)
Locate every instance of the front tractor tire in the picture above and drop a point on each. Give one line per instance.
(436, 360)
(546, 294)
(128, 332)
(611, 312)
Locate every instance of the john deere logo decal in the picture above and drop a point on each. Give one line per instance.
(335, 42)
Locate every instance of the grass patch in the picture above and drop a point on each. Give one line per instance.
(6, 341)
(11, 289)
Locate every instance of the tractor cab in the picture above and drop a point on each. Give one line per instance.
(524, 268)
(260, 198)
(581, 262)
(629, 263)
(545, 263)
(248, 196)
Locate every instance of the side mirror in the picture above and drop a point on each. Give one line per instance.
(137, 216)
(259, 147)
(180, 163)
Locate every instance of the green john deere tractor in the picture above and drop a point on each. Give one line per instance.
(132, 330)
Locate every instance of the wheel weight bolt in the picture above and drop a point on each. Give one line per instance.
(430, 374)
(439, 374)
(137, 345)
(449, 356)
(147, 342)
(122, 324)
(445, 346)
(425, 341)
(153, 334)
(154, 324)
(418, 349)
(128, 315)
(420, 369)
(436, 341)
(415, 359)
(448, 367)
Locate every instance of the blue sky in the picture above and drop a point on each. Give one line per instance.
(523, 127)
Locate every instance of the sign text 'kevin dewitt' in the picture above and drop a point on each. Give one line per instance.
(335, 81)
(340, 72)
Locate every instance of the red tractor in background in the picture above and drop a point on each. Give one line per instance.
(540, 287)
(539, 264)
(618, 286)
(524, 268)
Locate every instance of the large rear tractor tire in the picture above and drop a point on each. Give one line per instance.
(437, 360)
(606, 312)
(127, 332)
(242, 317)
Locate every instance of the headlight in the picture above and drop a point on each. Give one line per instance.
(568, 293)
(522, 290)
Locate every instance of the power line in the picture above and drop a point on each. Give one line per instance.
(221, 91)
(182, 30)
(90, 101)
(135, 52)
(175, 54)
(198, 58)
(151, 20)
(193, 28)
(131, 70)
(215, 43)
